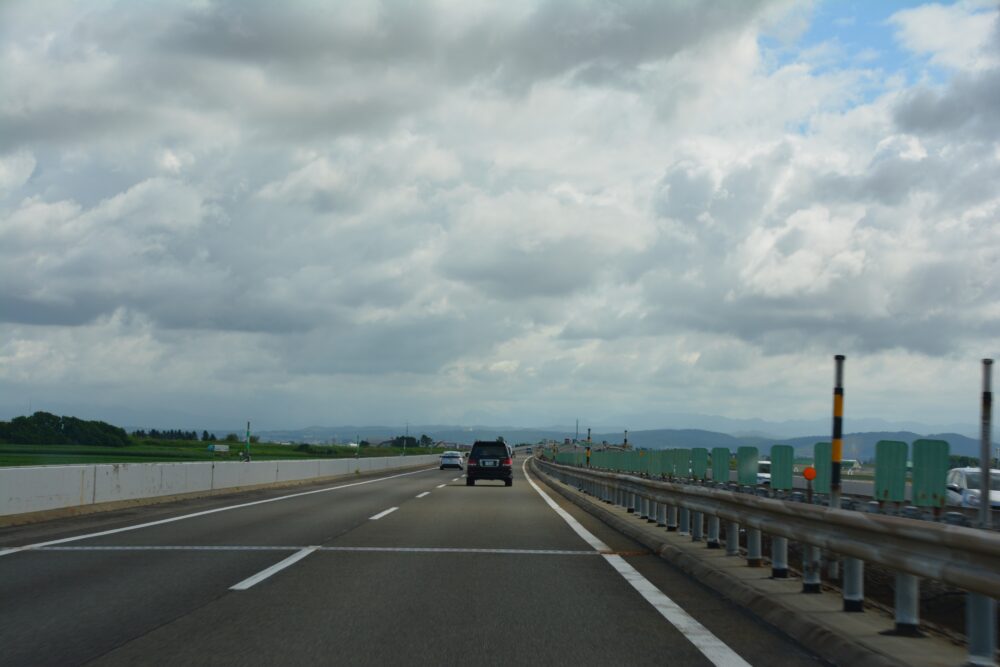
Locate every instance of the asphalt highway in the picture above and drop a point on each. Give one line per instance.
(414, 569)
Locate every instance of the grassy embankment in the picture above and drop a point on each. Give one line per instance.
(175, 451)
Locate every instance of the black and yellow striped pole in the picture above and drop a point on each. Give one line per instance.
(837, 448)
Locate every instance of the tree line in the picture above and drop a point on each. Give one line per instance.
(44, 428)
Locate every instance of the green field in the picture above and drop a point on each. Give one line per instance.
(156, 451)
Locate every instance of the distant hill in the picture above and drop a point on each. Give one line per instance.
(862, 445)
(856, 445)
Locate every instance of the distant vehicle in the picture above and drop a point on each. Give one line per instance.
(764, 472)
(451, 460)
(965, 487)
(490, 460)
(527, 450)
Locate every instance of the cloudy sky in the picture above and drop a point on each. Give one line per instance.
(508, 213)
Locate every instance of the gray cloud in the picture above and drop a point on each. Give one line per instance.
(967, 105)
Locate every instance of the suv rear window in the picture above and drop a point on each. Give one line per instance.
(491, 450)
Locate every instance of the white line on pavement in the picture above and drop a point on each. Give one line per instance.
(711, 646)
(382, 514)
(277, 567)
(417, 550)
(14, 550)
(421, 495)
(456, 479)
(441, 486)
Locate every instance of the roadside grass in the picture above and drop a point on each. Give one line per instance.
(176, 451)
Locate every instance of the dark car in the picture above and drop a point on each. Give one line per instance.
(489, 460)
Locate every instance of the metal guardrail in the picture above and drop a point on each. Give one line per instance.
(962, 557)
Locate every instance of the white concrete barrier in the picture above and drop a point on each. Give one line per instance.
(30, 489)
(36, 489)
(128, 481)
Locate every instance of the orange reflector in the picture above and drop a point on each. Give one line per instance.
(809, 473)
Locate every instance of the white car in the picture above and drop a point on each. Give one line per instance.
(965, 489)
(764, 472)
(452, 460)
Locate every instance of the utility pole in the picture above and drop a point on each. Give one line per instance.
(980, 609)
(837, 445)
(248, 442)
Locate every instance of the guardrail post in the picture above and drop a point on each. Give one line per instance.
(685, 522)
(907, 606)
(661, 514)
(629, 502)
(810, 569)
(672, 518)
(643, 509)
(653, 508)
(713, 532)
(754, 556)
(779, 557)
(697, 526)
(854, 584)
(732, 538)
(980, 628)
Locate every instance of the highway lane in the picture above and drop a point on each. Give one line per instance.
(515, 584)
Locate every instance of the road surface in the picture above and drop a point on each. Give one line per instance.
(412, 568)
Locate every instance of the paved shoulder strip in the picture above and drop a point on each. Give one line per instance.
(14, 550)
(711, 646)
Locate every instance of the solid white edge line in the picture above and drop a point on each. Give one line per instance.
(701, 637)
(421, 495)
(277, 567)
(382, 514)
(14, 550)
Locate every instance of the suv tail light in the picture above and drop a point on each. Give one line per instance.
(473, 462)
(507, 461)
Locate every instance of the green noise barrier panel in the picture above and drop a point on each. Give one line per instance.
(822, 453)
(746, 465)
(720, 464)
(683, 463)
(782, 463)
(699, 463)
(930, 470)
(890, 471)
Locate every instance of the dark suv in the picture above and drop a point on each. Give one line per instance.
(489, 460)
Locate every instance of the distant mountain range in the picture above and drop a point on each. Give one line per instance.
(856, 445)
